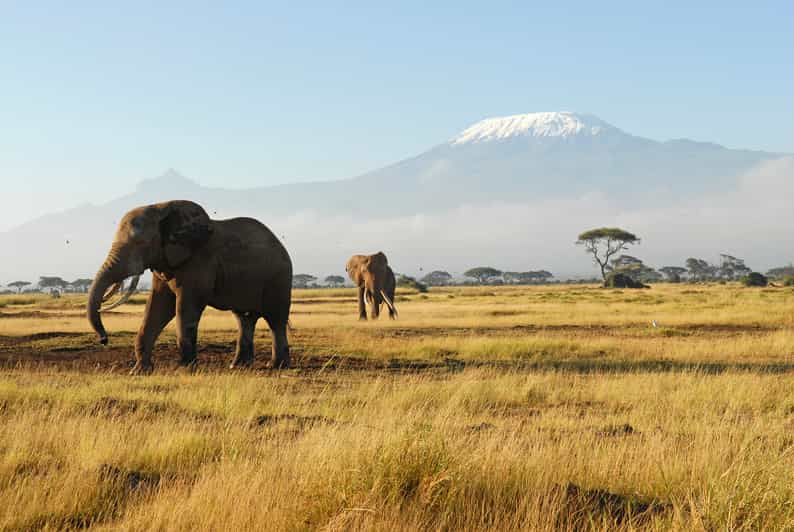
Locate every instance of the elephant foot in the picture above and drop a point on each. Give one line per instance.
(241, 363)
(187, 361)
(142, 368)
(282, 362)
(189, 365)
(362, 318)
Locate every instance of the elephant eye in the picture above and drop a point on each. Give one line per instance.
(136, 228)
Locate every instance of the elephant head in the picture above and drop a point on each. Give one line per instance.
(370, 272)
(160, 237)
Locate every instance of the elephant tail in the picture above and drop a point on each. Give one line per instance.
(389, 302)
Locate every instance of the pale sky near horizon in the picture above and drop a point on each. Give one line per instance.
(95, 97)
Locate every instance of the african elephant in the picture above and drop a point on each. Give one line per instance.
(375, 281)
(236, 264)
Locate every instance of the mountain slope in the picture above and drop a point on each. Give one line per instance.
(517, 159)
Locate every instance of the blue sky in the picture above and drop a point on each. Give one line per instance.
(95, 97)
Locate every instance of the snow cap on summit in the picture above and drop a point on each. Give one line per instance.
(554, 124)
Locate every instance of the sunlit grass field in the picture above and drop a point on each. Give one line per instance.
(505, 408)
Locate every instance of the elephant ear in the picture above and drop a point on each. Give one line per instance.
(184, 228)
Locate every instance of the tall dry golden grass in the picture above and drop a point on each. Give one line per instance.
(547, 408)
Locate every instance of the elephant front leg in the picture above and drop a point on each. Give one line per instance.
(188, 314)
(362, 309)
(376, 303)
(160, 309)
(244, 355)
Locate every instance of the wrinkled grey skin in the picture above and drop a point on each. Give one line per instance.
(374, 279)
(236, 264)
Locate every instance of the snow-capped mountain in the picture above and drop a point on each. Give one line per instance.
(554, 157)
(553, 154)
(558, 124)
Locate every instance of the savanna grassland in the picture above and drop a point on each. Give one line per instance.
(555, 407)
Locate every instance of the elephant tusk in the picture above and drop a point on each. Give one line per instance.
(111, 291)
(388, 302)
(125, 297)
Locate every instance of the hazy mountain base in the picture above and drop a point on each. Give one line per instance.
(748, 217)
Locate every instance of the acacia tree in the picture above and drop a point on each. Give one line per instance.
(604, 243)
(732, 267)
(482, 273)
(673, 273)
(302, 280)
(19, 285)
(52, 283)
(700, 270)
(512, 277)
(335, 280)
(81, 285)
(530, 277)
(437, 278)
(634, 268)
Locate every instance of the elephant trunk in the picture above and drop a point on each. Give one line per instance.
(113, 270)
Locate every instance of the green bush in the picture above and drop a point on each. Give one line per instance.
(788, 281)
(755, 279)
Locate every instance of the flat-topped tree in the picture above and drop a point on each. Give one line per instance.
(302, 280)
(673, 273)
(483, 273)
(335, 280)
(700, 270)
(604, 243)
(19, 285)
(634, 268)
(81, 285)
(437, 278)
(537, 276)
(53, 283)
(732, 267)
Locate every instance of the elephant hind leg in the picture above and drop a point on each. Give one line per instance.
(244, 354)
(279, 358)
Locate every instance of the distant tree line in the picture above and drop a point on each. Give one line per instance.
(481, 275)
(49, 284)
(604, 245)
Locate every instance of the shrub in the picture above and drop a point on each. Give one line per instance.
(755, 279)
(405, 281)
(788, 281)
(621, 280)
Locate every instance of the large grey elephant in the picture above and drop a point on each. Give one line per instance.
(375, 281)
(236, 264)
